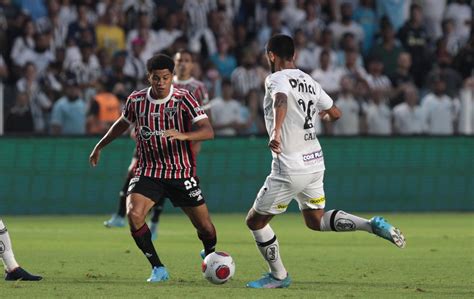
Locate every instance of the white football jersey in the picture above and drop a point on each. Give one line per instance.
(301, 151)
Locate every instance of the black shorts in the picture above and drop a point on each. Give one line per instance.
(181, 192)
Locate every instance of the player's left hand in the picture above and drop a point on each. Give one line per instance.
(175, 134)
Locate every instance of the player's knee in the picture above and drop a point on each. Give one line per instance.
(252, 223)
(135, 216)
(313, 225)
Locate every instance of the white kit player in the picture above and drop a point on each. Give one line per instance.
(292, 102)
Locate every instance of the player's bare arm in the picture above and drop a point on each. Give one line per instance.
(280, 106)
(203, 132)
(330, 115)
(117, 129)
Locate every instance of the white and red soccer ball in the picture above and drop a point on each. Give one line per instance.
(218, 267)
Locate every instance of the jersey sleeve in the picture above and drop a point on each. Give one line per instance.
(277, 83)
(128, 111)
(192, 108)
(324, 102)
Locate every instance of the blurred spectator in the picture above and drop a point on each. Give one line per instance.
(400, 77)
(86, 69)
(69, 112)
(117, 75)
(20, 119)
(408, 118)
(274, 26)
(135, 67)
(132, 10)
(326, 75)
(433, 11)
(440, 110)
(224, 61)
(365, 16)
(81, 27)
(443, 69)
(104, 110)
(453, 41)
(348, 43)
(376, 79)
(52, 23)
(415, 40)
(67, 12)
(350, 108)
(388, 50)
(25, 41)
(201, 38)
(351, 68)
(304, 55)
(39, 103)
(293, 13)
(346, 25)
(378, 115)
(227, 112)
(466, 119)
(166, 36)
(110, 35)
(395, 10)
(326, 43)
(464, 60)
(41, 55)
(252, 114)
(461, 13)
(34, 8)
(312, 25)
(148, 35)
(247, 76)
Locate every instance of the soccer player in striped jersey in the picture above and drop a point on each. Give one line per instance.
(292, 102)
(167, 120)
(13, 271)
(183, 79)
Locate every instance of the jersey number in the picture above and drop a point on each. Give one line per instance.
(188, 184)
(308, 121)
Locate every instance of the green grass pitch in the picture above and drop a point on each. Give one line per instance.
(78, 257)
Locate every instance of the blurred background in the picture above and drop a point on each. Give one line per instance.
(401, 71)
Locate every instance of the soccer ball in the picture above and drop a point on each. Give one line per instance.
(218, 267)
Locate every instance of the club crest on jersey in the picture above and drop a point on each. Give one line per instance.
(170, 111)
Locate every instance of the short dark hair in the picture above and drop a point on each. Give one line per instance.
(282, 46)
(160, 62)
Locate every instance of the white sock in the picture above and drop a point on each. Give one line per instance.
(340, 221)
(267, 243)
(6, 252)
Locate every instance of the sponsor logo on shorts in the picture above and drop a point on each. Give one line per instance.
(195, 193)
(343, 224)
(281, 207)
(317, 201)
(146, 133)
(313, 156)
(271, 254)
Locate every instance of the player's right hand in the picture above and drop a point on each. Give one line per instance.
(94, 157)
(275, 142)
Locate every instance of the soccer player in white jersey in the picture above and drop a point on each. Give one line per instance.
(13, 271)
(292, 101)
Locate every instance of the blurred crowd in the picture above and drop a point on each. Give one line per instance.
(392, 66)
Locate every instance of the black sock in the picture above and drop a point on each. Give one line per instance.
(122, 208)
(142, 237)
(208, 243)
(157, 209)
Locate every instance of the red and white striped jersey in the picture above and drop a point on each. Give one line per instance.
(158, 156)
(195, 87)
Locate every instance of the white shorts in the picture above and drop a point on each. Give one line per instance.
(278, 191)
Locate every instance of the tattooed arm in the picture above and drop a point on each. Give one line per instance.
(280, 106)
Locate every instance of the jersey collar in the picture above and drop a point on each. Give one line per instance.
(159, 101)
